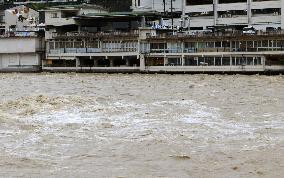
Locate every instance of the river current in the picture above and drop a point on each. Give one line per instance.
(116, 125)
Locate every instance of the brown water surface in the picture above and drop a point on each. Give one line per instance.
(100, 125)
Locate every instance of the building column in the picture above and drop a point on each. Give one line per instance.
(165, 61)
(19, 59)
(249, 4)
(183, 5)
(127, 62)
(282, 14)
(142, 62)
(111, 62)
(1, 62)
(143, 22)
(215, 10)
(263, 60)
(95, 62)
(183, 61)
(134, 4)
(182, 54)
(197, 61)
(77, 62)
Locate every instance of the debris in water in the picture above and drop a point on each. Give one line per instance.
(180, 157)
(235, 168)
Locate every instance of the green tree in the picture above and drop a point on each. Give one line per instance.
(114, 5)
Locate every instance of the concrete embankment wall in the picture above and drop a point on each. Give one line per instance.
(20, 54)
(169, 70)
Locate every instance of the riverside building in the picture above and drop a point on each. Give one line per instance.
(88, 38)
(236, 14)
(132, 42)
(22, 49)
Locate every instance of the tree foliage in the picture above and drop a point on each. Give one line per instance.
(114, 5)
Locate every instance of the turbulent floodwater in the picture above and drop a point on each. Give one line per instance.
(99, 125)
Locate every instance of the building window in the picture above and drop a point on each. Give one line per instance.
(2, 19)
(54, 15)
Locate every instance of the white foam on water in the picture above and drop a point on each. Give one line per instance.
(130, 120)
(62, 117)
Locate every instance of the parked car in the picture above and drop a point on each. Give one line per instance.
(271, 29)
(249, 30)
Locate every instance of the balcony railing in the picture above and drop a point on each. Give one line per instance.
(96, 35)
(91, 50)
(19, 34)
(216, 34)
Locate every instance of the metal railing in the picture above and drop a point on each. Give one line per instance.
(216, 34)
(134, 33)
(91, 50)
(18, 34)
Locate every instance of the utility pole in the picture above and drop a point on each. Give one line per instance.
(164, 3)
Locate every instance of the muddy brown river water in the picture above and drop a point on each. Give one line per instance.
(100, 125)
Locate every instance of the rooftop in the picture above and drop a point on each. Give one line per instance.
(74, 7)
(121, 15)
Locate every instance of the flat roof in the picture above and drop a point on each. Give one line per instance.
(120, 15)
(74, 7)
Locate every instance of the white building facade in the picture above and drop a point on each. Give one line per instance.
(205, 13)
(20, 53)
(21, 18)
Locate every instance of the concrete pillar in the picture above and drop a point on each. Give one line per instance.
(182, 54)
(183, 61)
(77, 63)
(47, 47)
(96, 62)
(183, 5)
(134, 3)
(249, 4)
(263, 60)
(19, 59)
(142, 62)
(215, 10)
(143, 22)
(127, 62)
(1, 62)
(282, 14)
(111, 62)
(165, 61)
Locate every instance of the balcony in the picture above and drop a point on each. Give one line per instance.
(236, 19)
(266, 19)
(131, 34)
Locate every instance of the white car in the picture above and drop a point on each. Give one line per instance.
(249, 30)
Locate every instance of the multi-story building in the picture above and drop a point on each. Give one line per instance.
(21, 48)
(21, 53)
(225, 13)
(128, 42)
(89, 38)
(21, 18)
